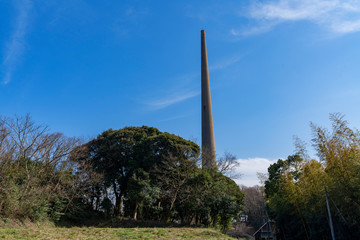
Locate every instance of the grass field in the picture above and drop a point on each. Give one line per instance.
(110, 233)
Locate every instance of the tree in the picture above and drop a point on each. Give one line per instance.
(171, 175)
(295, 188)
(212, 199)
(152, 175)
(117, 154)
(227, 165)
(254, 204)
(35, 171)
(142, 191)
(339, 153)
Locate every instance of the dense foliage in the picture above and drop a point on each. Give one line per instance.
(295, 188)
(135, 172)
(36, 179)
(153, 175)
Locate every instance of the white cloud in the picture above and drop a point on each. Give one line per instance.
(337, 16)
(261, 28)
(248, 169)
(16, 45)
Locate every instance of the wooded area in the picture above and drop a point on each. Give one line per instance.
(295, 188)
(135, 172)
(143, 174)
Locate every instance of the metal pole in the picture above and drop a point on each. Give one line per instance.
(269, 230)
(330, 220)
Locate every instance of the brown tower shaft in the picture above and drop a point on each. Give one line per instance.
(207, 127)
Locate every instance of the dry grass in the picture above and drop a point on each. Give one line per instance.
(110, 233)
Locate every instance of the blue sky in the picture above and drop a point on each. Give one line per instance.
(82, 67)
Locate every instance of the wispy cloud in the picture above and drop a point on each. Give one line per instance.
(224, 64)
(248, 169)
(15, 47)
(179, 89)
(262, 27)
(337, 16)
(172, 99)
(183, 88)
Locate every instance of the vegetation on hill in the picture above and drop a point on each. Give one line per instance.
(136, 172)
(36, 179)
(295, 188)
(154, 176)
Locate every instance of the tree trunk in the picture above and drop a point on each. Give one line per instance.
(135, 211)
(119, 198)
(118, 205)
(168, 212)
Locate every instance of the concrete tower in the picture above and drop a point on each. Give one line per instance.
(207, 127)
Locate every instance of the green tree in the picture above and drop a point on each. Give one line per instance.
(212, 199)
(117, 154)
(142, 191)
(295, 188)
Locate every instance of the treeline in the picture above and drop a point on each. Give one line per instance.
(36, 178)
(134, 172)
(151, 175)
(295, 190)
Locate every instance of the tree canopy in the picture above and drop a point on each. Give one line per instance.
(153, 175)
(295, 188)
(134, 172)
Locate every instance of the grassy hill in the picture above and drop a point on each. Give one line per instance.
(110, 233)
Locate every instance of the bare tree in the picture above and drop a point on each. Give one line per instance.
(263, 177)
(254, 205)
(228, 165)
(34, 164)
